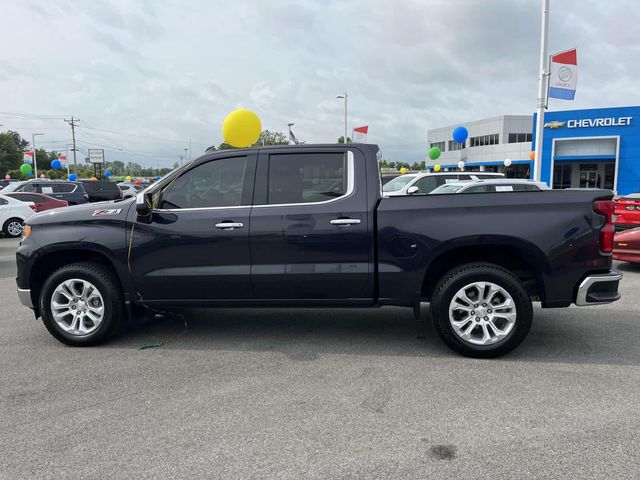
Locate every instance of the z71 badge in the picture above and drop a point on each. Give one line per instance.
(106, 211)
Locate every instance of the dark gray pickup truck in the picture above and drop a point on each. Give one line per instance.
(308, 226)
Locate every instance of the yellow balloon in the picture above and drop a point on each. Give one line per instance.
(403, 170)
(128, 178)
(241, 128)
(437, 168)
(94, 179)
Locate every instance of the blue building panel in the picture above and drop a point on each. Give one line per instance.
(621, 123)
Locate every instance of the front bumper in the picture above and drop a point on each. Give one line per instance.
(598, 289)
(24, 295)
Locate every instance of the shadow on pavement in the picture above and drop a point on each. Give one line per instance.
(575, 335)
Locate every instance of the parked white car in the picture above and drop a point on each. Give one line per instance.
(13, 186)
(426, 182)
(13, 213)
(491, 186)
(130, 189)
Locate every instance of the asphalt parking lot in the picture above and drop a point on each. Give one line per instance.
(320, 394)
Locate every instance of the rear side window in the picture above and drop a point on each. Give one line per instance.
(307, 177)
(524, 187)
(63, 188)
(480, 189)
(3, 201)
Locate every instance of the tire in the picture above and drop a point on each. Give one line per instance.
(472, 327)
(9, 228)
(109, 296)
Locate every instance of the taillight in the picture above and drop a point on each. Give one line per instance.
(34, 208)
(607, 232)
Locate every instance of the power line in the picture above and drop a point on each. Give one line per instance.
(141, 136)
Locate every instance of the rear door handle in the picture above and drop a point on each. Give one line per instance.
(345, 221)
(229, 225)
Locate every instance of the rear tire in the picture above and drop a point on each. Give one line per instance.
(13, 227)
(77, 318)
(481, 310)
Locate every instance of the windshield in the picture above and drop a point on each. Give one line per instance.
(397, 183)
(449, 188)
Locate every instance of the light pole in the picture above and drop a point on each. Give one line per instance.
(35, 163)
(345, 114)
(185, 153)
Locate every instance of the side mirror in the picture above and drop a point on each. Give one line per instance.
(412, 190)
(144, 203)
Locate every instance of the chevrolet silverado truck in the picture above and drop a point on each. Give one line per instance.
(308, 226)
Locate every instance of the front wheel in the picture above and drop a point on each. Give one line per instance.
(82, 304)
(13, 227)
(481, 310)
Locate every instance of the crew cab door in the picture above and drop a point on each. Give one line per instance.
(194, 246)
(310, 237)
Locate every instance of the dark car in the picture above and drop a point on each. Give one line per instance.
(308, 226)
(71, 192)
(101, 190)
(5, 182)
(41, 202)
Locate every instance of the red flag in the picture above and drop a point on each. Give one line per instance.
(364, 129)
(62, 156)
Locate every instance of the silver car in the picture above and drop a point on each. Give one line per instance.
(491, 186)
(413, 183)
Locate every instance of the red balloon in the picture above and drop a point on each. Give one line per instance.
(138, 182)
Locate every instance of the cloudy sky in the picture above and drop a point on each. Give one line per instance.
(147, 76)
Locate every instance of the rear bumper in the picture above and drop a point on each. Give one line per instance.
(24, 295)
(598, 289)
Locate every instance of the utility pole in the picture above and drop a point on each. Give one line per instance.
(542, 91)
(72, 121)
(35, 161)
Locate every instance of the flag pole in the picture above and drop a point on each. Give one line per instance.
(542, 94)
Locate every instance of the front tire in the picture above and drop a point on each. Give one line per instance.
(481, 310)
(13, 227)
(82, 304)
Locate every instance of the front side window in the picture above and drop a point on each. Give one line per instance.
(481, 189)
(426, 184)
(307, 177)
(217, 183)
(27, 187)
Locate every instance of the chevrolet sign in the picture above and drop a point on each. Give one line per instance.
(599, 122)
(555, 124)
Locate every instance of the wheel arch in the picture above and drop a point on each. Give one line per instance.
(54, 259)
(519, 256)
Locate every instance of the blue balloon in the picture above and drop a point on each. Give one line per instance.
(73, 177)
(56, 164)
(157, 177)
(107, 173)
(460, 134)
(30, 174)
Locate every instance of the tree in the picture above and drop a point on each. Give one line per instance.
(341, 139)
(267, 137)
(12, 146)
(117, 167)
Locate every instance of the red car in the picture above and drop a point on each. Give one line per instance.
(41, 202)
(626, 246)
(627, 211)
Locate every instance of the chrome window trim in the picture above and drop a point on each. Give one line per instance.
(351, 187)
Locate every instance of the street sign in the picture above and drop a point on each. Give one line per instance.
(96, 155)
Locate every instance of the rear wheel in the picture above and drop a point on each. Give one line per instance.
(13, 227)
(481, 310)
(82, 304)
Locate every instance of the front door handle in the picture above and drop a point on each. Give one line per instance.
(229, 225)
(345, 221)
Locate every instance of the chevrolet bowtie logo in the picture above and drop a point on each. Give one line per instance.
(555, 124)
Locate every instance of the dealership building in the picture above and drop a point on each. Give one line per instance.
(581, 148)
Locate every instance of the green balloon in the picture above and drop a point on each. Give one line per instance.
(122, 179)
(25, 168)
(434, 153)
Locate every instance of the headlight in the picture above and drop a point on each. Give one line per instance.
(26, 231)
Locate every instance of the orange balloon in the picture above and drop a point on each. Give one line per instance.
(532, 155)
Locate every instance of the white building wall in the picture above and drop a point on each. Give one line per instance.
(502, 125)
